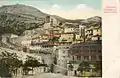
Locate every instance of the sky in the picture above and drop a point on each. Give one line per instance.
(71, 9)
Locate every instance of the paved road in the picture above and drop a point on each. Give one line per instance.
(52, 75)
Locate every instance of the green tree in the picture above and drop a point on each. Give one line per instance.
(98, 68)
(84, 66)
(10, 61)
(31, 62)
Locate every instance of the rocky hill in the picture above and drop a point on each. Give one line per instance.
(22, 10)
(18, 18)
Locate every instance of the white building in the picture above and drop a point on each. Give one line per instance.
(5, 37)
(70, 28)
(93, 32)
(67, 30)
(47, 25)
(62, 59)
(26, 43)
(50, 21)
(66, 37)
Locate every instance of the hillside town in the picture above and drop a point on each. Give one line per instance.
(61, 47)
(45, 39)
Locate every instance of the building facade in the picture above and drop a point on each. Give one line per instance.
(93, 32)
(80, 37)
(50, 21)
(61, 59)
(88, 51)
(66, 37)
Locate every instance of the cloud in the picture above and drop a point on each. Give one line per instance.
(83, 8)
(55, 6)
(79, 12)
(83, 11)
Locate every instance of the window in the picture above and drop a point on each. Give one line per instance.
(94, 50)
(81, 52)
(86, 51)
(87, 47)
(97, 30)
(100, 57)
(86, 57)
(73, 58)
(67, 47)
(63, 56)
(99, 51)
(78, 57)
(83, 47)
(93, 57)
(63, 51)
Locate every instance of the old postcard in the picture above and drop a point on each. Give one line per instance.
(50, 38)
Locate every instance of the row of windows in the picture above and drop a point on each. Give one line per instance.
(89, 47)
(92, 30)
(88, 58)
(87, 51)
(90, 51)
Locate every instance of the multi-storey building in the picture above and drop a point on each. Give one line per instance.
(87, 51)
(50, 21)
(53, 27)
(70, 30)
(80, 37)
(97, 33)
(61, 53)
(66, 37)
(93, 32)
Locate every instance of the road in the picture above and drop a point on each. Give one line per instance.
(52, 75)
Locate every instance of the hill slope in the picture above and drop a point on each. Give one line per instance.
(22, 9)
(18, 18)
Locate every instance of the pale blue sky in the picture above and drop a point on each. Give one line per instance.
(64, 8)
(65, 4)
